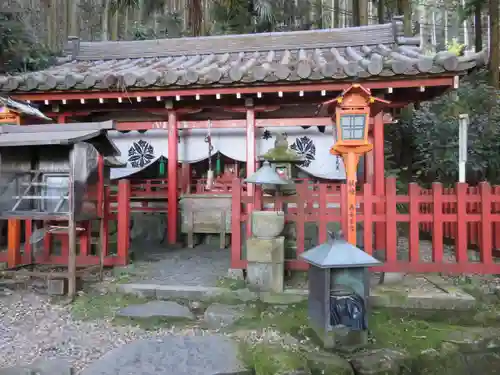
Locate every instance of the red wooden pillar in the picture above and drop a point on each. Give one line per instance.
(13, 243)
(369, 164)
(250, 167)
(379, 175)
(172, 178)
(123, 218)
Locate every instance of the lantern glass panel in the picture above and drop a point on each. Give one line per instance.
(353, 127)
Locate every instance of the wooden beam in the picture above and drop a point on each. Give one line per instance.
(320, 86)
(232, 124)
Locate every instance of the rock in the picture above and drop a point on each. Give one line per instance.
(17, 371)
(273, 359)
(219, 315)
(472, 341)
(41, 367)
(329, 364)
(379, 362)
(156, 309)
(52, 367)
(235, 274)
(173, 355)
(245, 295)
(281, 298)
(434, 362)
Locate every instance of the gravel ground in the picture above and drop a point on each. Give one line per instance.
(31, 327)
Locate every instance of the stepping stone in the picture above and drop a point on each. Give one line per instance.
(41, 367)
(172, 355)
(219, 315)
(156, 309)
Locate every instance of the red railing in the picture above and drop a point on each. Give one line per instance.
(401, 217)
(472, 207)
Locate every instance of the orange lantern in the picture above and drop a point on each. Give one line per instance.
(352, 118)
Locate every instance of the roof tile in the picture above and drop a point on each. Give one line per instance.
(333, 54)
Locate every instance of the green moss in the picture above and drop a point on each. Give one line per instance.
(292, 319)
(393, 296)
(265, 359)
(407, 333)
(231, 284)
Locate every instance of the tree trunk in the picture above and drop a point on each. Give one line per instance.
(115, 24)
(363, 12)
(405, 9)
(73, 18)
(105, 19)
(194, 17)
(126, 23)
(336, 14)
(494, 43)
(478, 28)
(53, 26)
(356, 21)
(380, 11)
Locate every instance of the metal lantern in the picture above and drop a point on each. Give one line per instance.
(266, 175)
(338, 292)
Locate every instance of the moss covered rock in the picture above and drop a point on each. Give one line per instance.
(379, 362)
(329, 364)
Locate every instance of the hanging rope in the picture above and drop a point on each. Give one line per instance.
(208, 139)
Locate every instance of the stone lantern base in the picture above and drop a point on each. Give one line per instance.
(266, 263)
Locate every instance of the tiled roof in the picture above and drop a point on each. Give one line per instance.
(54, 134)
(22, 108)
(334, 54)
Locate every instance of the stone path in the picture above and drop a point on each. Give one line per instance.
(203, 265)
(31, 327)
(172, 355)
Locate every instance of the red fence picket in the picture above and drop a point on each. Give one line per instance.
(468, 216)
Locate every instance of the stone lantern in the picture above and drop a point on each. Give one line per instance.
(338, 292)
(266, 247)
(282, 159)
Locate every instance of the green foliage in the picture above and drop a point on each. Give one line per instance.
(19, 49)
(169, 26)
(455, 47)
(424, 145)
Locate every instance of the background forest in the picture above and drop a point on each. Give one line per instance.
(422, 146)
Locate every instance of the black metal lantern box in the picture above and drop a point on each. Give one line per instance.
(338, 292)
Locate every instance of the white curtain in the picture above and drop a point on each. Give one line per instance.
(141, 149)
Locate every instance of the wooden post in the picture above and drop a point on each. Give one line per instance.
(104, 232)
(172, 178)
(379, 176)
(369, 164)
(250, 167)
(486, 227)
(236, 224)
(123, 216)
(414, 237)
(351, 162)
(13, 243)
(72, 231)
(437, 222)
(391, 222)
(461, 243)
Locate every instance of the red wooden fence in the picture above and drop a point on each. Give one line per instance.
(317, 203)
(473, 228)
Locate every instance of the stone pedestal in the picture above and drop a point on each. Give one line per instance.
(266, 263)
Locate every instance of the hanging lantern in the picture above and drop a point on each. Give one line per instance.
(162, 167)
